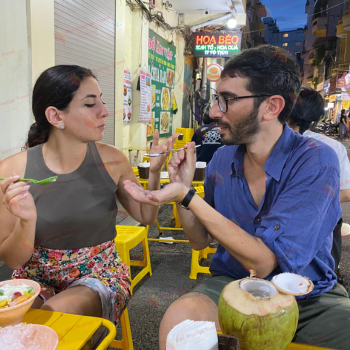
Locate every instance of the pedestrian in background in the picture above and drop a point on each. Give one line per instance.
(209, 138)
(342, 125)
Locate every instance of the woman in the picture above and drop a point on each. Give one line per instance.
(62, 234)
(342, 125)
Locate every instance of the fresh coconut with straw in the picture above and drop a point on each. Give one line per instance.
(262, 314)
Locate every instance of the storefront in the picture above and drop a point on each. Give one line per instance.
(337, 95)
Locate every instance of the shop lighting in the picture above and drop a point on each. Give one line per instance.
(227, 16)
(232, 23)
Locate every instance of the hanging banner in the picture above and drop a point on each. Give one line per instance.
(332, 85)
(146, 97)
(347, 80)
(345, 96)
(217, 44)
(340, 79)
(127, 111)
(162, 63)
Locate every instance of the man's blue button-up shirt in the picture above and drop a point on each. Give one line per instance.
(297, 214)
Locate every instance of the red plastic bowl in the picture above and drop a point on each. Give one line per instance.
(14, 314)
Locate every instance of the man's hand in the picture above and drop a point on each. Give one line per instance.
(157, 162)
(174, 192)
(182, 165)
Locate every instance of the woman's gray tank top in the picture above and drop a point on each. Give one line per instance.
(79, 209)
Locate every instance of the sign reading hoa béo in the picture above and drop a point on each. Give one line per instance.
(217, 44)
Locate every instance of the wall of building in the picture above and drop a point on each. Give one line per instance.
(291, 41)
(309, 40)
(334, 15)
(136, 54)
(26, 49)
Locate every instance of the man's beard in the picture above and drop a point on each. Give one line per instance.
(243, 130)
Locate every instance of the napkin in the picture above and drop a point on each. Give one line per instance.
(193, 335)
(200, 165)
(144, 165)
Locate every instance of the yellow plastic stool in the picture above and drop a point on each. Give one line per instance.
(126, 343)
(129, 237)
(200, 191)
(136, 170)
(196, 256)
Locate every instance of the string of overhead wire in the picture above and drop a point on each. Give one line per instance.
(295, 20)
(156, 17)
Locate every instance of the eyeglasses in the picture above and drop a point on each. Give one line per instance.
(223, 100)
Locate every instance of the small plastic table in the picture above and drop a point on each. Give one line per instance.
(74, 332)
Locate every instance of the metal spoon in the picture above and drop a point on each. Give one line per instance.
(172, 150)
(39, 182)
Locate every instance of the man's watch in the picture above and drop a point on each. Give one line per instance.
(186, 201)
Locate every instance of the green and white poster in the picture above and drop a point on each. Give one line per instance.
(162, 64)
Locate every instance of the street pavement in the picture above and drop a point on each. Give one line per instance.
(171, 268)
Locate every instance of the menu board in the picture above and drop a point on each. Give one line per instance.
(127, 111)
(162, 63)
(146, 97)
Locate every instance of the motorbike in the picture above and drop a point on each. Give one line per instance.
(320, 128)
(331, 129)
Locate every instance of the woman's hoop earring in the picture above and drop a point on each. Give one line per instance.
(62, 126)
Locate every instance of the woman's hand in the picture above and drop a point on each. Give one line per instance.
(182, 165)
(174, 192)
(157, 162)
(17, 199)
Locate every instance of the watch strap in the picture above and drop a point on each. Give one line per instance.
(186, 201)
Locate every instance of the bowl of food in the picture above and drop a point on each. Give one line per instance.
(28, 336)
(16, 297)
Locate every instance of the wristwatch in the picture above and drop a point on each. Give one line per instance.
(186, 201)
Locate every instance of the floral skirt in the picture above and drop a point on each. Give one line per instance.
(98, 268)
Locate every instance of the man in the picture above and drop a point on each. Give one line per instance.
(342, 125)
(271, 200)
(209, 138)
(307, 111)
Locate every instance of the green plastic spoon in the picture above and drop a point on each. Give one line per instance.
(41, 182)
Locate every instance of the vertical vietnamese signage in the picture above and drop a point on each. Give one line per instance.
(127, 111)
(162, 63)
(146, 97)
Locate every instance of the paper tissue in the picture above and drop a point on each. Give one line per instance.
(193, 335)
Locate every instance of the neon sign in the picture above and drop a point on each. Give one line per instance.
(217, 44)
